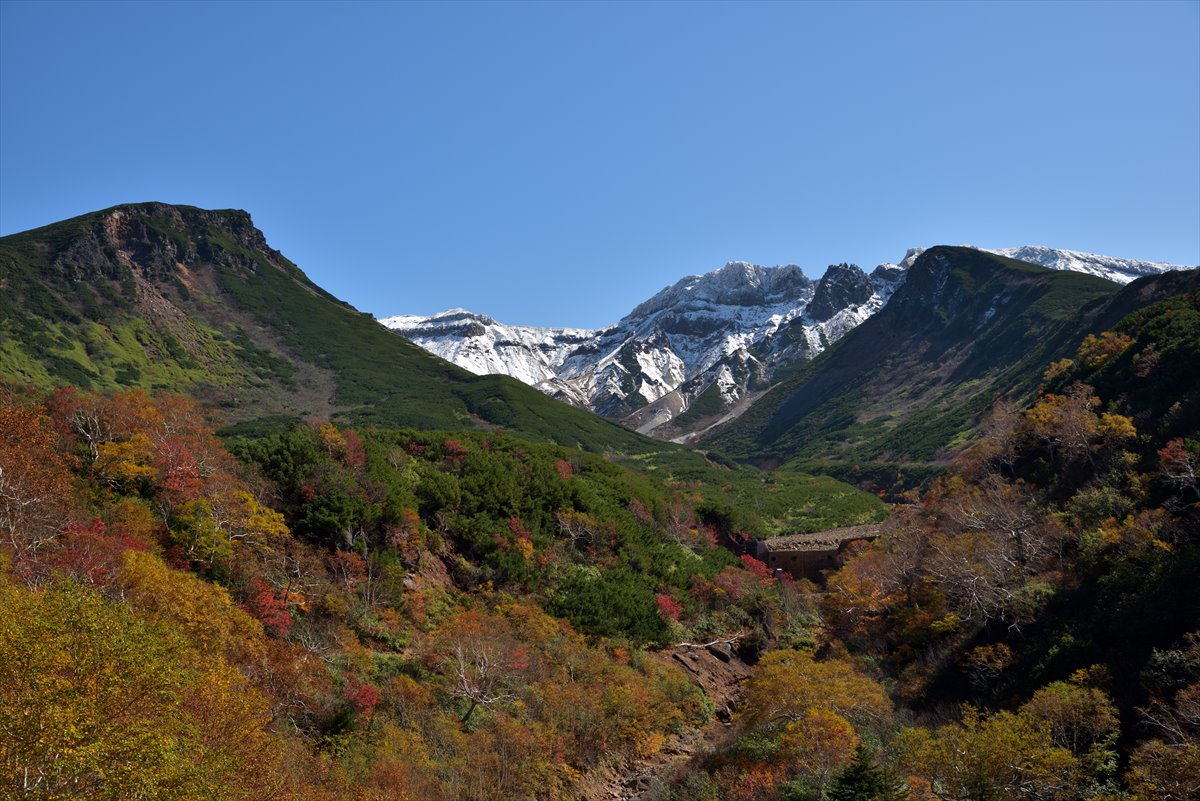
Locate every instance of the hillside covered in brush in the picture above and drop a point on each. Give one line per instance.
(332, 613)
(507, 597)
(182, 299)
(1030, 628)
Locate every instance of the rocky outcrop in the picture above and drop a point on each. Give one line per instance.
(842, 286)
(155, 239)
(695, 350)
(712, 333)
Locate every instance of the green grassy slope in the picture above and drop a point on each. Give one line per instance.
(183, 299)
(905, 386)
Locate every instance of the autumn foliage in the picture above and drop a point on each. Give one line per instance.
(337, 613)
(173, 623)
(1033, 613)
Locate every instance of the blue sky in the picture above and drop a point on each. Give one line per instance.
(555, 163)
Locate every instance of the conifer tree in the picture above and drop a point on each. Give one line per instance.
(862, 780)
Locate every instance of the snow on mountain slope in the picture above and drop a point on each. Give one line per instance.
(728, 330)
(703, 328)
(1122, 271)
(481, 345)
(684, 331)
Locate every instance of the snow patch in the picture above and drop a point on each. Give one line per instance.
(724, 326)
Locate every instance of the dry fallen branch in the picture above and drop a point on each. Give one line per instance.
(731, 640)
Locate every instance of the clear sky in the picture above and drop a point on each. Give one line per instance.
(557, 163)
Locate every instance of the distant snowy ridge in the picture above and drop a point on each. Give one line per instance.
(1121, 271)
(722, 332)
(718, 327)
(480, 344)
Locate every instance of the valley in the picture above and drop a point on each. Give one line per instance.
(931, 531)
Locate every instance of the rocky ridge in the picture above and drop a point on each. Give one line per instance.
(715, 331)
(699, 348)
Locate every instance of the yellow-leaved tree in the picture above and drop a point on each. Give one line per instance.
(102, 703)
(998, 757)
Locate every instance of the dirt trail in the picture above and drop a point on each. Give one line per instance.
(719, 672)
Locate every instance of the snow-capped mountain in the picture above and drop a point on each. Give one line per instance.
(718, 329)
(1121, 271)
(684, 331)
(483, 346)
(706, 343)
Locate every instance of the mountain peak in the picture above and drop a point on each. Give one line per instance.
(195, 301)
(729, 331)
(842, 286)
(737, 283)
(971, 325)
(911, 255)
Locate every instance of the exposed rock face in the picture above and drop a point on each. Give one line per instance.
(720, 337)
(147, 238)
(484, 346)
(705, 332)
(842, 286)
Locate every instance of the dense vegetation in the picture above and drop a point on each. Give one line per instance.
(466, 607)
(1034, 617)
(412, 614)
(356, 614)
